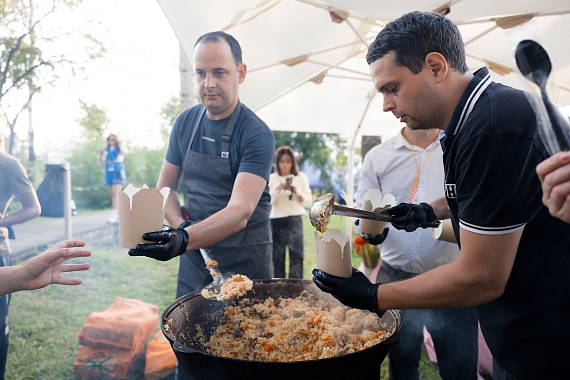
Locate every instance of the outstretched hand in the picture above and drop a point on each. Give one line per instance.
(47, 267)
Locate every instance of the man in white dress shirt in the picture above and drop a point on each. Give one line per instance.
(410, 167)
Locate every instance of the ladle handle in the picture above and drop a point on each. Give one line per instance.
(214, 270)
(373, 215)
(557, 122)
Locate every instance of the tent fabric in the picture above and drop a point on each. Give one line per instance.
(305, 58)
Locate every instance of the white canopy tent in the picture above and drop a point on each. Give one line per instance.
(305, 58)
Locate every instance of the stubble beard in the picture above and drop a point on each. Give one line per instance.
(428, 110)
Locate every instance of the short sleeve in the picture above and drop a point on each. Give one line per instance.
(497, 188)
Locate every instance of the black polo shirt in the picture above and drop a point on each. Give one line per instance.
(491, 149)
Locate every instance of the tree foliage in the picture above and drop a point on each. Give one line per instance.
(87, 177)
(325, 151)
(32, 54)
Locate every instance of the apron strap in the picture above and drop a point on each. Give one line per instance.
(195, 129)
(228, 132)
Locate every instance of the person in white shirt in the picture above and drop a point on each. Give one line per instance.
(410, 167)
(290, 195)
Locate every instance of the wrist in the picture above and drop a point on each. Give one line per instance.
(185, 224)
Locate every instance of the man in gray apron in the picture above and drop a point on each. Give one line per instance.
(14, 184)
(223, 152)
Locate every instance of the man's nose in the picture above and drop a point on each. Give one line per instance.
(387, 104)
(210, 81)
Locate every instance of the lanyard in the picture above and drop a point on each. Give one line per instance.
(414, 189)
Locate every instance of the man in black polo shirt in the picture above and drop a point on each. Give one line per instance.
(514, 263)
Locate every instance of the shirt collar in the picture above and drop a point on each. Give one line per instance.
(400, 141)
(481, 79)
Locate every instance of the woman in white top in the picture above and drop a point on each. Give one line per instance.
(290, 195)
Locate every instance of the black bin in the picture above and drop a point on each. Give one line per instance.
(51, 191)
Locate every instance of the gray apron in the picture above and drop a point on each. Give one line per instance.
(208, 184)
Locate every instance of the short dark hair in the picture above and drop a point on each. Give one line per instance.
(286, 150)
(415, 35)
(216, 36)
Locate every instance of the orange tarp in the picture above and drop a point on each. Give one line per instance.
(160, 359)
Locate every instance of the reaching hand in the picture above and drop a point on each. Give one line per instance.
(47, 267)
(411, 216)
(375, 239)
(357, 291)
(169, 243)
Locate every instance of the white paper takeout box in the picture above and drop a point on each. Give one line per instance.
(333, 253)
(140, 210)
(373, 200)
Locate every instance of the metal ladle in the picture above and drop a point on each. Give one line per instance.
(211, 291)
(534, 63)
(324, 207)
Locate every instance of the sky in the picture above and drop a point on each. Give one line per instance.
(138, 75)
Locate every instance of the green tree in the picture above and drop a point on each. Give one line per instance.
(168, 113)
(325, 151)
(143, 165)
(87, 177)
(88, 187)
(32, 55)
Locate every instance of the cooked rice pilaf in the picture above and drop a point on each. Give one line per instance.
(235, 286)
(293, 329)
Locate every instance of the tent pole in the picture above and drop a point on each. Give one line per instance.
(351, 158)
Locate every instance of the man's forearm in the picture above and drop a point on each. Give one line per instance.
(173, 213)
(217, 227)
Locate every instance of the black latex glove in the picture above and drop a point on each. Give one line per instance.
(411, 216)
(375, 240)
(169, 243)
(357, 291)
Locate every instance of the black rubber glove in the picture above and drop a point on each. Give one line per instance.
(169, 243)
(410, 216)
(357, 291)
(375, 240)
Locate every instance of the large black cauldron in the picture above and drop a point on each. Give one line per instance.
(192, 310)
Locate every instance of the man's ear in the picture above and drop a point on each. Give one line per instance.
(242, 70)
(437, 66)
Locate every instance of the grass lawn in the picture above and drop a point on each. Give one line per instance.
(44, 323)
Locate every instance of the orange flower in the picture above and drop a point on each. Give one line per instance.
(359, 243)
(369, 253)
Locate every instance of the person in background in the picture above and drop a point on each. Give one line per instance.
(223, 152)
(111, 158)
(409, 166)
(514, 261)
(14, 185)
(290, 195)
(554, 175)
